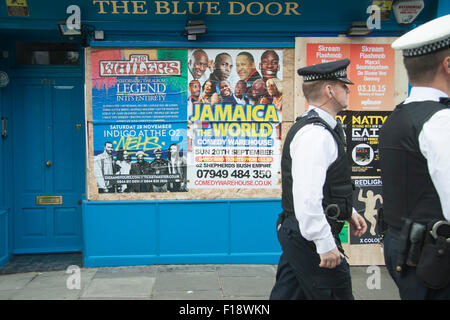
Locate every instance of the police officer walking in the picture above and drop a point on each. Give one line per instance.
(317, 193)
(415, 168)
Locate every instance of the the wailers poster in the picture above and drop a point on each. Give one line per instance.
(234, 116)
(171, 120)
(139, 117)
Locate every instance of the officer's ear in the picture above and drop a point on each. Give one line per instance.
(328, 91)
(446, 64)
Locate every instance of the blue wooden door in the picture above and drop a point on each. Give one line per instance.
(49, 161)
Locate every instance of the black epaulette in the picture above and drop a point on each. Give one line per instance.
(319, 124)
(312, 117)
(311, 114)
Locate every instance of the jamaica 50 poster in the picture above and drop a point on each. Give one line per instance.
(170, 120)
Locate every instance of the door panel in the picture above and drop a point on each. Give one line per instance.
(35, 223)
(48, 161)
(66, 224)
(63, 151)
(29, 148)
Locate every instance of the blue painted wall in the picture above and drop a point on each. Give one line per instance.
(443, 8)
(191, 232)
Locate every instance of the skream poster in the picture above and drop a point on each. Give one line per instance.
(371, 70)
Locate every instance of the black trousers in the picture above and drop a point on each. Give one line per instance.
(408, 285)
(298, 274)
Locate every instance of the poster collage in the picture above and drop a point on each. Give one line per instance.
(174, 120)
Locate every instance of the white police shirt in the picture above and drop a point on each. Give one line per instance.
(313, 150)
(433, 143)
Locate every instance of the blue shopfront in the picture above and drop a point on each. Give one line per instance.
(126, 78)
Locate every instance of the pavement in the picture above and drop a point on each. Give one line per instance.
(172, 282)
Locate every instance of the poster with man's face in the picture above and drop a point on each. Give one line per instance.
(234, 117)
(139, 118)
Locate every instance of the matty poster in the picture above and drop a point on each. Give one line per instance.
(362, 130)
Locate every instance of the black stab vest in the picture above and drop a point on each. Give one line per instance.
(338, 187)
(407, 187)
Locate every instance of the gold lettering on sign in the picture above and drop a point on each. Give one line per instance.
(191, 10)
(175, 8)
(138, 7)
(162, 5)
(212, 8)
(235, 8)
(291, 7)
(273, 12)
(121, 7)
(100, 5)
(231, 12)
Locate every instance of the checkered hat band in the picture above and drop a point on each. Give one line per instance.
(342, 73)
(429, 48)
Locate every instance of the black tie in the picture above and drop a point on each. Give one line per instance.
(445, 100)
(340, 131)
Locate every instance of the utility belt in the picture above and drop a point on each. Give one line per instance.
(425, 247)
(332, 218)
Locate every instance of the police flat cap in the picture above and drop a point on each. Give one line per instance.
(335, 70)
(428, 38)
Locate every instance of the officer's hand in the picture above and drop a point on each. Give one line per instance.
(358, 223)
(330, 259)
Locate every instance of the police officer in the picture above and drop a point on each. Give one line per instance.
(415, 168)
(316, 193)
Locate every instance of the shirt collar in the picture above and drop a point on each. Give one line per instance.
(424, 93)
(329, 119)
